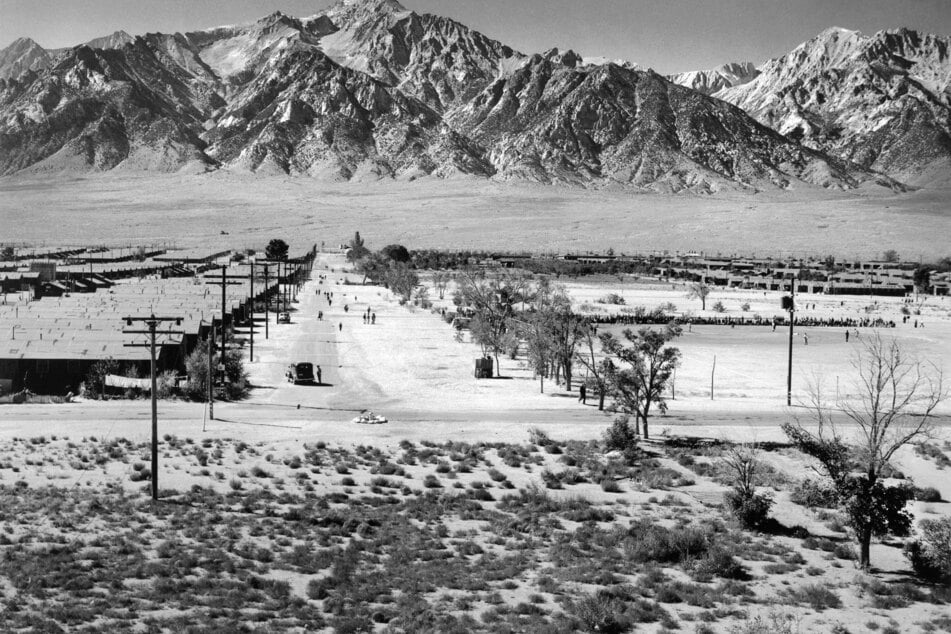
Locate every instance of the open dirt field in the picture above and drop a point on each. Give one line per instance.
(479, 506)
(187, 210)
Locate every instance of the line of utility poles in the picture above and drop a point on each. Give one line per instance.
(153, 323)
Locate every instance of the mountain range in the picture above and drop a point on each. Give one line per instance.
(369, 89)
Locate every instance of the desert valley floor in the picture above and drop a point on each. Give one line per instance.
(463, 213)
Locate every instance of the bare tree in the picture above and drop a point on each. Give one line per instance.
(855, 439)
(588, 358)
(494, 299)
(441, 281)
(749, 507)
(700, 290)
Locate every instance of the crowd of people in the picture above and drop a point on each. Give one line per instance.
(723, 320)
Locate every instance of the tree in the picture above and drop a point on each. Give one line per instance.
(597, 368)
(891, 255)
(401, 279)
(565, 331)
(896, 398)
(96, 377)
(373, 266)
(8, 254)
(493, 299)
(749, 507)
(395, 252)
(441, 281)
(233, 385)
(276, 250)
(700, 290)
(538, 345)
(357, 251)
(638, 373)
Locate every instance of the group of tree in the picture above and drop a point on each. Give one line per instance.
(511, 309)
(922, 274)
(388, 267)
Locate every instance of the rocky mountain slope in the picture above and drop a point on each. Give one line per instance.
(368, 89)
(22, 55)
(554, 119)
(710, 81)
(882, 101)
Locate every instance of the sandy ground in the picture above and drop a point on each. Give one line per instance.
(190, 210)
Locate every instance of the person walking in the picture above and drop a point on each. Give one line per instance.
(320, 376)
(846, 336)
(340, 326)
(805, 339)
(582, 393)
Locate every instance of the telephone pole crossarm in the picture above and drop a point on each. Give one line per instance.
(153, 323)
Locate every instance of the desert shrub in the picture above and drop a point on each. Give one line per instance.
(610, 485)
(613, 299)
(96, 377)
(931, 451)
(551, 480)
(719, 563)
(649, 542)
(600, 612)
(927, 494)
(891, 596)
(621, 436)
(930, 554)
(496, 475)
(752, 511)
(812, 494)
(817, 596)
(165, 384)
(773, 623)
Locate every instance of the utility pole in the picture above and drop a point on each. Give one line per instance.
(792, 318)
(251, 320)
(211, 372)
(267, 300)
(153, 322)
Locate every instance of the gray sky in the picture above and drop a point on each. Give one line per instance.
(667, 35)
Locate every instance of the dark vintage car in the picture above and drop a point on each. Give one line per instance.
(300, 373)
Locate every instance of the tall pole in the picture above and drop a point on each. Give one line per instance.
(252, 311)
(211, 372)
(152, 324)
(267, 300)
(224, 288)
(792, 318)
